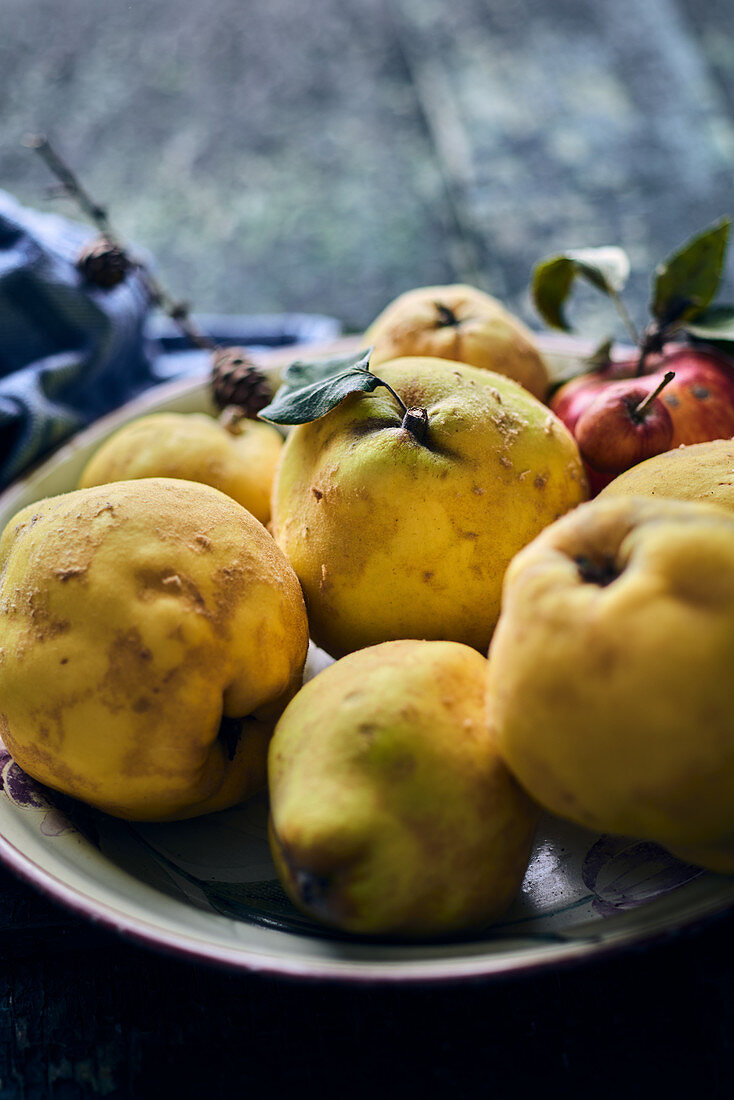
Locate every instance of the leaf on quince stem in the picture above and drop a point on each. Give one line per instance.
(714, 325)
(607, 268)
(311, 390)
(686, 282)
(301, 373)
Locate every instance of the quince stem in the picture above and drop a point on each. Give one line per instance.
(415, 420)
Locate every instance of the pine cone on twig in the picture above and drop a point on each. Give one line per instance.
(238, 385)
(103, 263)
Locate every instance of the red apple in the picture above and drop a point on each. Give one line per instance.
(700, 398)
(624, 425)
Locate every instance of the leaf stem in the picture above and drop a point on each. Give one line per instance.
(626, 319)
(401, 403)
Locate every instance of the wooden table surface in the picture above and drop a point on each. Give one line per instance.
(322, 157)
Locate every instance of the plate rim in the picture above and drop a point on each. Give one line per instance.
(428, 972)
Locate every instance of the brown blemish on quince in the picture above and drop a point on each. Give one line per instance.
(42, 622)
(70, 572)
(152, 583)
(37, 760)
(230, 586)
(129, 667)
(508, 425)
(400, 769)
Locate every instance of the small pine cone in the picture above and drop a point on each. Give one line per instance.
(236, 381)
(103, 263)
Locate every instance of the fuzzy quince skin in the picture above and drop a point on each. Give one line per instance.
(702, 472)
(391, 811)
(396, 538)
(194, 447)
(461, 323)
(609, 679)
(134, 618)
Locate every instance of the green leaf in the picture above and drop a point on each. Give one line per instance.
(715, 324)
(295, 404)
(300, 373)
(605, 268)
(686, 282)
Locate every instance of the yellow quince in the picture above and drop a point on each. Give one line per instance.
(151, 632)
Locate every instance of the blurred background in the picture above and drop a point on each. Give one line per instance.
(280, 156)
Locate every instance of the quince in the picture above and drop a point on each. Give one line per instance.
(391, 811)
(195, 447)
(461, 323)
(701, 472)
(400, 524)
(610, 691)
(151, 634)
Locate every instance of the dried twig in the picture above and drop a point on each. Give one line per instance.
(159, 296)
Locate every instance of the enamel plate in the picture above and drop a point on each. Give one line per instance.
(207, 888)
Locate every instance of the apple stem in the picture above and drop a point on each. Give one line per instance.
(640, 410)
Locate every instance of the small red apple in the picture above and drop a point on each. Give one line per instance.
(623, 425)
(700, 398)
